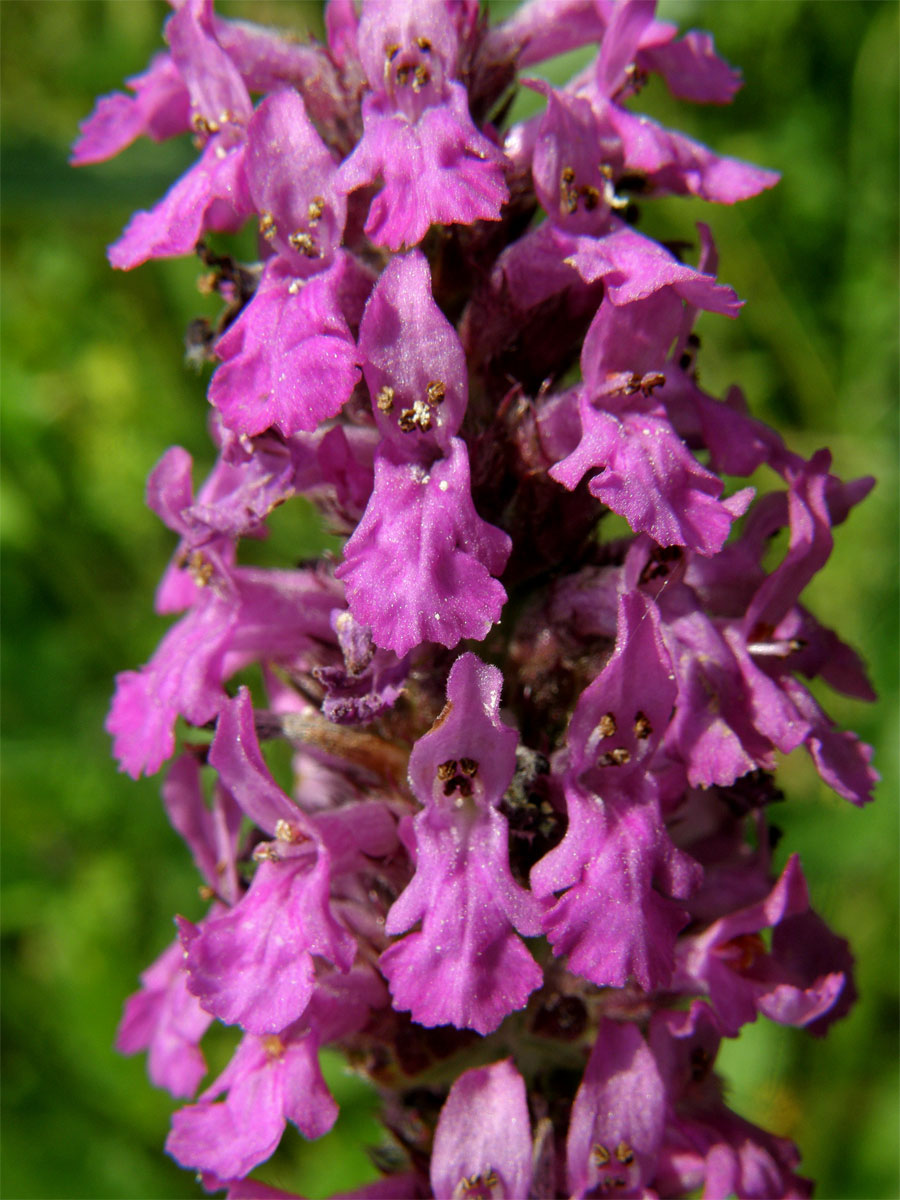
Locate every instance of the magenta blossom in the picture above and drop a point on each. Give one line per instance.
(514, 858)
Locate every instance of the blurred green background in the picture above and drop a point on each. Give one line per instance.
(93, 391)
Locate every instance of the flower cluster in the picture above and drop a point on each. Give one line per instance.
(523, 875)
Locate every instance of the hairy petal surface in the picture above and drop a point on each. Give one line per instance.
(420, 565)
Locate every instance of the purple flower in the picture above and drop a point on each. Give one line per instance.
(413, 363)
(730, 962)
(466, 967)
(269, 1081)
(289, 361)
(253, 965)
(421, 564)
(483, 1137)
(213, 194)
(247, 615)
(617, 1118)
(704, 1144)
(616, 867)
(211, 831)
(418, 135)
(160, 108)
(289, 358)
(167, 1021)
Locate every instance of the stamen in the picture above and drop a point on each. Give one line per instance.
(635, 77)
(568, 195)
(458, 784)
(200, 568)
(446, 770)
(742, 951)
(615, 758)
(200, 124)
(419, 416)
(286, 832)
(653, 379)
(384, 401)
(606, 726)
(265, 852)
(642, 726)
(590, 196)
(613, 199)
(436, 392)
(273, 1045)
(777, 648)
(481, 1186)
(304, 243)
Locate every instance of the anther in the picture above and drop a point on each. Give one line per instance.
(568, 195)
(742, 951)
(624, 1154)
(267, 227)
(458, 784)
(615, 758)
(479, 1186)
(653, 379)
(273, 1045)
(424, 44)
(446, 770)
(384, 401)
(606, 726)
(468, 766)
(304, 243)
(285, 831)
(642, 726)
(201, 569)
(600, 1155)
(436, 392)
(265, 852)
(200, 124)
(419, 416)
(591, 197)
(315, 210)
